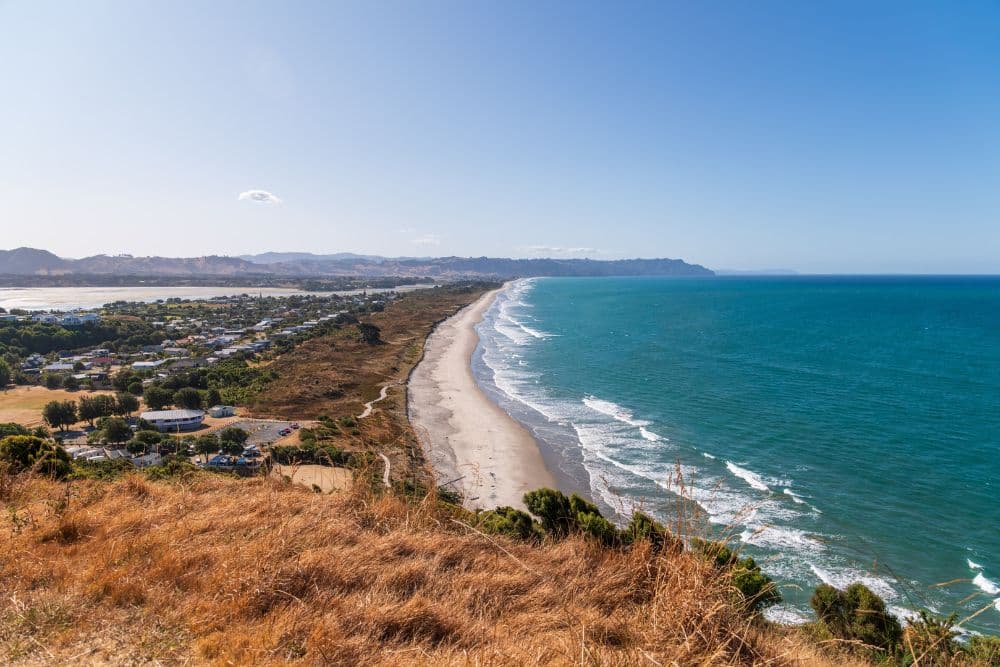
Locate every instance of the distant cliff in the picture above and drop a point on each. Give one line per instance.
(32, 262)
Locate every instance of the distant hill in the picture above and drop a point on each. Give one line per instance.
(28, 261)
(25, 261)
(277, 257)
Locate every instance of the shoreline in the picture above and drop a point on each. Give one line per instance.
(472, 444)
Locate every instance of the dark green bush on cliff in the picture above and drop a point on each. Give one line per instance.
(756, 589)
(643, 527)
(510, 522)
(552, 508)
(560, 515)
(856, 614)
(26, 452)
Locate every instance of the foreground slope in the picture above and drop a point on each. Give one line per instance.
(213, 570)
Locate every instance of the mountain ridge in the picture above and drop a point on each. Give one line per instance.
(36, 262)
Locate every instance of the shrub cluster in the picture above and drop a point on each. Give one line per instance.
(27, 452)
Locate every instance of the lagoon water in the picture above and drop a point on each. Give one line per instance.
(86, 298)
(839, 429)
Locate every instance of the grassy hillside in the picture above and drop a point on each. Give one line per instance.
(214, 570)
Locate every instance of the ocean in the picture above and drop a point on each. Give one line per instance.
(838, 429)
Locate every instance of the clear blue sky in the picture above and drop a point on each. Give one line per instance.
(822, 137)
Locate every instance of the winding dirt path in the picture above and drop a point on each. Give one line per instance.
(381, 397)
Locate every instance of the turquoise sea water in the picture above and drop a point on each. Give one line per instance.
(839, 429)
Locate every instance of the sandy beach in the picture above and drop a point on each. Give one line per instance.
(465, 436)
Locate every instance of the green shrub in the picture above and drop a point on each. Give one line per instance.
(757, 590)
(643, 527)
(930, 640)
(26, 452)
(856, 614)
(103, 470)
(171, 467)
(553, 510)
(984, 650)
(11, 428)
(510, 522)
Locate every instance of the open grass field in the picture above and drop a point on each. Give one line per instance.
(24, 404)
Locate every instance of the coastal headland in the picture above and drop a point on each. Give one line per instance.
(470, 441)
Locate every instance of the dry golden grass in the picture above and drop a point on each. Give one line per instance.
(23, 405)
(226, 571)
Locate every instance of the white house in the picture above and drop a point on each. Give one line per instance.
(222, 411)
(148, 365)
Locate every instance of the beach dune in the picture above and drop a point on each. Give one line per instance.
(473, 445)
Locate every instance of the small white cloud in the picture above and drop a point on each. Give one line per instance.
(427, 239)
(560, 251)
(259, 196)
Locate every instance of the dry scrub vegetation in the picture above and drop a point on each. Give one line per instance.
(215, 570)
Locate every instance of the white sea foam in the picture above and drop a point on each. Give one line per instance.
(707, 455)
(985, 585)
(748, 476)
(786, 615)
(780, 537)
(649, 435)
(972, 565)
(791, 494)
(614, 410)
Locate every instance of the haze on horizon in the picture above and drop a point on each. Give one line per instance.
(853, 137)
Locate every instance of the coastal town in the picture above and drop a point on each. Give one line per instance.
(134, 382)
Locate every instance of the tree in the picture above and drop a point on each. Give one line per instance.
(26, 452)
(70, 383)
(188, 398)
(135, 447)
(125, 404)
(370, 333)
(117, 430)
(51, 381)
(89, 409)
(185, 446)
(231, 448)
(213, 397)
(59, 414)
(134, 388)
(157, 398)
(5, 375)
(78, 366)
(148, 437)
(206, 444)
(105, 405)
(233, 434)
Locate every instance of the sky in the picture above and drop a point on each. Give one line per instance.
(818, 137)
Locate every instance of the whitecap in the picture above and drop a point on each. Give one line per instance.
(748, 476)
(794, 496)
(614, 411)
(985, 585)
(707, 455)
(649, 435)
(778, 537)
(972, 565)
